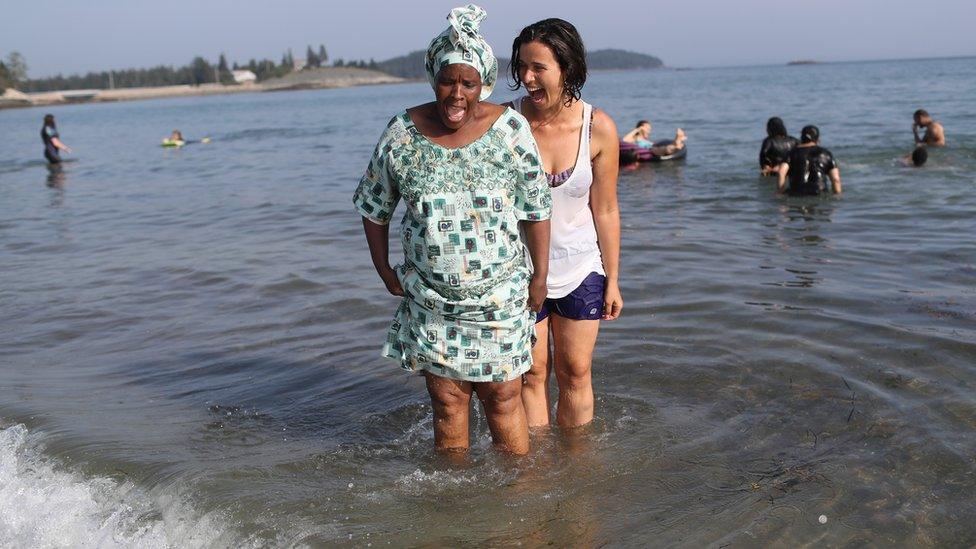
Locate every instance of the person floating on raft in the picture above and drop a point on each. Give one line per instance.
(637, 145)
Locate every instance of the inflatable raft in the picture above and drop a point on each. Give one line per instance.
(630, 153)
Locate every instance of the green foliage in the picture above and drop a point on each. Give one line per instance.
(199, 71)
(203, 72)
(323, 55)
(6, 81)
(223, 71)
(16, 67)
(13, 71)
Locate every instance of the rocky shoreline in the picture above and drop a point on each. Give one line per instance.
(324, 78)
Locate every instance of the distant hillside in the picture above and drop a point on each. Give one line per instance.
(602, 60)
(412, 64)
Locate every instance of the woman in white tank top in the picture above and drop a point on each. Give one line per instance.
(580, 155)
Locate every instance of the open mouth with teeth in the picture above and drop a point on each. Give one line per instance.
(537, 95)
(455, 113)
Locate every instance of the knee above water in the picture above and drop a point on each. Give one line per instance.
(510, 394)
(574, 379)
(449, 401)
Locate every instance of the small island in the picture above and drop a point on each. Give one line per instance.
(803, 62)
(411, 65)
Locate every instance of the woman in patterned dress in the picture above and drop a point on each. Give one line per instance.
(580, 154)
(468, 172)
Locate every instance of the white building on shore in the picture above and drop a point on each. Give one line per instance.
(244, 77)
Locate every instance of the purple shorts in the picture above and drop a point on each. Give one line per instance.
(583, 303)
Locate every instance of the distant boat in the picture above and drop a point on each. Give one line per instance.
(803, 62)
(79, 95)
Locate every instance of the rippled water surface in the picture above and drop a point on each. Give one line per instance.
(189, 339)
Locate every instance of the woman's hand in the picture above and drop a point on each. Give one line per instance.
(612, 302)
(537, 293)
(389, 277)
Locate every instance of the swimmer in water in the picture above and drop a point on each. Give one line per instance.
(641, 136)
(776, 147)
(917, 158)
(809, 167)
(934, 132)
(177, 135)
(52, 141)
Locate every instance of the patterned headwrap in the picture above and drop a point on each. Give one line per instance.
(462, 43)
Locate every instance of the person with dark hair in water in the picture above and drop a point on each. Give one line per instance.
(580, 156)
(917, 158)
(810, 166)
(934, 132)
(52, 141)
(776, 147)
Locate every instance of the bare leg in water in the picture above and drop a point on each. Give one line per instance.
(679, 143)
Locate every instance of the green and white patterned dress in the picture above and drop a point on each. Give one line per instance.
(465, 276)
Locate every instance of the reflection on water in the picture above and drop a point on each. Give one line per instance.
(55, 176)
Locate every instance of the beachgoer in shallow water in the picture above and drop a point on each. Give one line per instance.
(916, 158)
(776, 147)
(52, 140)
(641, 136)
(177, 135)
(580, 154)
(934, 132)
(810, 167)
(470, 175)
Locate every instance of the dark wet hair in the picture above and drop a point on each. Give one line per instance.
(48, 120)
(921, 112)
(775, 127)
(642, 122)
(920, 156)
(567, 47)
(810, 134)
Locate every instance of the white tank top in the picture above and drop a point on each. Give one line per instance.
(573, 249)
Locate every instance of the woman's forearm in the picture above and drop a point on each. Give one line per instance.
(608, 237)
(537, 242)
(378, 239)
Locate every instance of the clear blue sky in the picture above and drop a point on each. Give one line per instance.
(80, 35)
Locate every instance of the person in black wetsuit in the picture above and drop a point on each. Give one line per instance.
(776, 147)
(52, 141)
(809, 167)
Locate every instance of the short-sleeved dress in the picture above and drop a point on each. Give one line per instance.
(465, 278)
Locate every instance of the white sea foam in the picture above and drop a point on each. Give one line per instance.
(43, 504)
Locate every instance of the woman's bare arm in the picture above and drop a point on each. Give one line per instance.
(603, 204)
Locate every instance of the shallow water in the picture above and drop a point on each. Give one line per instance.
(189, 340)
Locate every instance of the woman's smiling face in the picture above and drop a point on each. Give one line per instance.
(541, 75)
(458, 91)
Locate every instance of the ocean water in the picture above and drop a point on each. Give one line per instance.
(189, 339)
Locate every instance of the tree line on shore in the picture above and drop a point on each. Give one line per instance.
(13, 72)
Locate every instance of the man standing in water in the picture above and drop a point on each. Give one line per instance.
(809, 167)
(934, 133)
